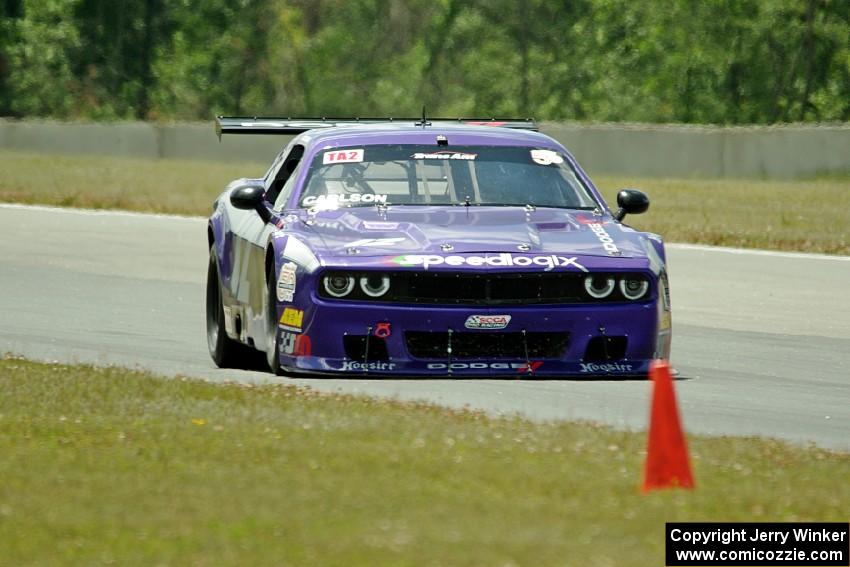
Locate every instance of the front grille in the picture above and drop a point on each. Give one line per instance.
(606, 349)
(490, 345)
(355, 348)
(446, 288)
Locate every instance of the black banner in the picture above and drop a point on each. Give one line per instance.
(758, 544)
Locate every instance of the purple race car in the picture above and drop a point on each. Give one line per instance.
(430, 248)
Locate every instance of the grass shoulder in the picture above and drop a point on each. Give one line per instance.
(106, 464)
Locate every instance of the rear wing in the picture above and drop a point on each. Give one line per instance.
(269, 125)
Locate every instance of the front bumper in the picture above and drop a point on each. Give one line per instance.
(635, 326)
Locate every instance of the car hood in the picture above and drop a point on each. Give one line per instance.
(458, 230)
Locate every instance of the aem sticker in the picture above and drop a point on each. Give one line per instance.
(342, 156)
(286, 282)
(501, 260)
(334, 199)
(487, 321)
(292, 319)
(445, 154)
(546, 157)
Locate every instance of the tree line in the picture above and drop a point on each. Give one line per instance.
(691, 61)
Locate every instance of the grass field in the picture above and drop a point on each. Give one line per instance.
(108, 466)
(811, 216)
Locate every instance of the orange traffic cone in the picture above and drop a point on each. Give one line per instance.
(667, 461)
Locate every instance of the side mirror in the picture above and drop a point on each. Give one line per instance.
(250, 198)
(631, 202)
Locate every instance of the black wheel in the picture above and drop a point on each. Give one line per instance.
(272, 332)
(225, 352)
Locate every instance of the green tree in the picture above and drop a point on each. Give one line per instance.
(40, 81)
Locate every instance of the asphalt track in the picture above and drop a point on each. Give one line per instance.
(762, 339)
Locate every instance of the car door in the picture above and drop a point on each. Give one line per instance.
(250, 235)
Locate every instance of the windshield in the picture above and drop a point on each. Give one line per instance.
(440, 175)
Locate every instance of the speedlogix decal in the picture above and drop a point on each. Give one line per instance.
(604, 238)
(503, 260)
(292, 319)
(334, 199)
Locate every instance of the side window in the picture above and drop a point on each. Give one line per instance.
(286, 190)
(284, 172)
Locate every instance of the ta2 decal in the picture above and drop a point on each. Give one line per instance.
(342, 156)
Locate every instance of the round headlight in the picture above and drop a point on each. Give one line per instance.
(339, 285)
(375, 285)
(599, 287)
(634, 287)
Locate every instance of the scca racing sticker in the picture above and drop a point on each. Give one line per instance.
(504, 259)
(342, 156)
(487, 321)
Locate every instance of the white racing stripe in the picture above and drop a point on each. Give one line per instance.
(672, 245)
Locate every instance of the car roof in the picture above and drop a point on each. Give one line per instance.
(370, 134)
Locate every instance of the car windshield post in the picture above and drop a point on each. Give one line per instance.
(476, 191)
(420, 171)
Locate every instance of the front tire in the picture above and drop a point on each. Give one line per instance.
(272, 332)
(225, 352)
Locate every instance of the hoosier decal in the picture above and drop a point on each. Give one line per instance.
(351, 365)
(605, 367)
